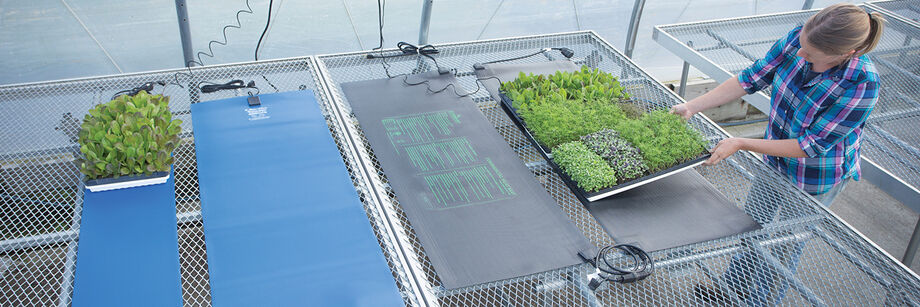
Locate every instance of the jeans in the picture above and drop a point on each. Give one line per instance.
(749, 276)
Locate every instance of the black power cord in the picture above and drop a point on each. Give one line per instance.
(566, 52)
(267, 23)
(232, 85)
(148, 87)
(642, 265)
(409, 49)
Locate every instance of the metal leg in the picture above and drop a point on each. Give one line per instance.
(786, 274)
(633, 27)
(683, 80)
(184, 32)
(720, 283)
(586, 293)
(912, 246)
(426, 21)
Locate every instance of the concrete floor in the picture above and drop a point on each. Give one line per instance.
(56, 39)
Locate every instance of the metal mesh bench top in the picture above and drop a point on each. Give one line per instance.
(40, 210)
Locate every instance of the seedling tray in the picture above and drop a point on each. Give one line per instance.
(584, 196)
(123, 182)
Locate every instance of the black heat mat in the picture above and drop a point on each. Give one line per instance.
(677, 210)
(478, 212)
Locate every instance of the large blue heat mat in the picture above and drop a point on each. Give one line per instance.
(283, 225)
(128, 253)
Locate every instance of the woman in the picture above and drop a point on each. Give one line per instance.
(823, 89)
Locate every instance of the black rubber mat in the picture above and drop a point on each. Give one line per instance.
(478, 211)
(674, 211)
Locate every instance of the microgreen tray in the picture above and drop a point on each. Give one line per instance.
(585, 196)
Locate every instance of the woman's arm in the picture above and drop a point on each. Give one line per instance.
(788, 148)
(722, 94)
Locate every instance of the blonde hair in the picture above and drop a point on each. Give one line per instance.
(843, 27)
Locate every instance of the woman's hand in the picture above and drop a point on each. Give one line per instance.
(683, 110)
(725, 149)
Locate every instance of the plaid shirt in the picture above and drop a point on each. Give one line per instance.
(825, 114)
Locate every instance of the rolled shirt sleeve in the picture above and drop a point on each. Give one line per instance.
(840, 119)
(760, 74)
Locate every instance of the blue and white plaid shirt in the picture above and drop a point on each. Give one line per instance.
(825, 114)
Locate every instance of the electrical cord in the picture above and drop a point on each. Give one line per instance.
(409, 49)
(427, 51)
(235, 84)
(148, 87)
(641, 265)
(238, 25)
(566, 52)
(212, 87)
(267, 22)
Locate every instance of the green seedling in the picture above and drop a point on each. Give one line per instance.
(129, 135)
(625, 160)
(584, 166)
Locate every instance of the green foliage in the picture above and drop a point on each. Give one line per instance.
(562, 107)
(127, 136)
(623, 158)
(587, 168)
(664, 139)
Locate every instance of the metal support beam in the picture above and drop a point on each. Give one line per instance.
(788, 276)
(731, 45)
(633, 27)
(845, 252)
(808, 4)
(911, 251)
(426, 21)
(184, 32)
(683, 77)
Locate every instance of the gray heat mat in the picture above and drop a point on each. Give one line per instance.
(478, 211)
(674, 211)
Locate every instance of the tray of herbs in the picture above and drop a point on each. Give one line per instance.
(597, 138)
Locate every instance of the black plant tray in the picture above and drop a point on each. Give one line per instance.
(584, 196)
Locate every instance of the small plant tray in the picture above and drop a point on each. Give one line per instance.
(585, 196)
(123, 182)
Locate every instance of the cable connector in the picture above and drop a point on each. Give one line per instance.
(587, 258)
(633, 277)
(595, 280)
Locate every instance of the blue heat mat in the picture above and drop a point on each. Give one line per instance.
(128, 252)
(283, 224)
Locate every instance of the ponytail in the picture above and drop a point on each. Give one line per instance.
(876, 24)
(842, 28)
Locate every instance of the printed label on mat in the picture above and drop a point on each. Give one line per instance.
(259, 113)
(455, 174)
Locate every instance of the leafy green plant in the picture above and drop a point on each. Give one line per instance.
(592, 107)
(584, 166)
(663, 139)
(127, 136)
(562, 107)
(623, 158)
